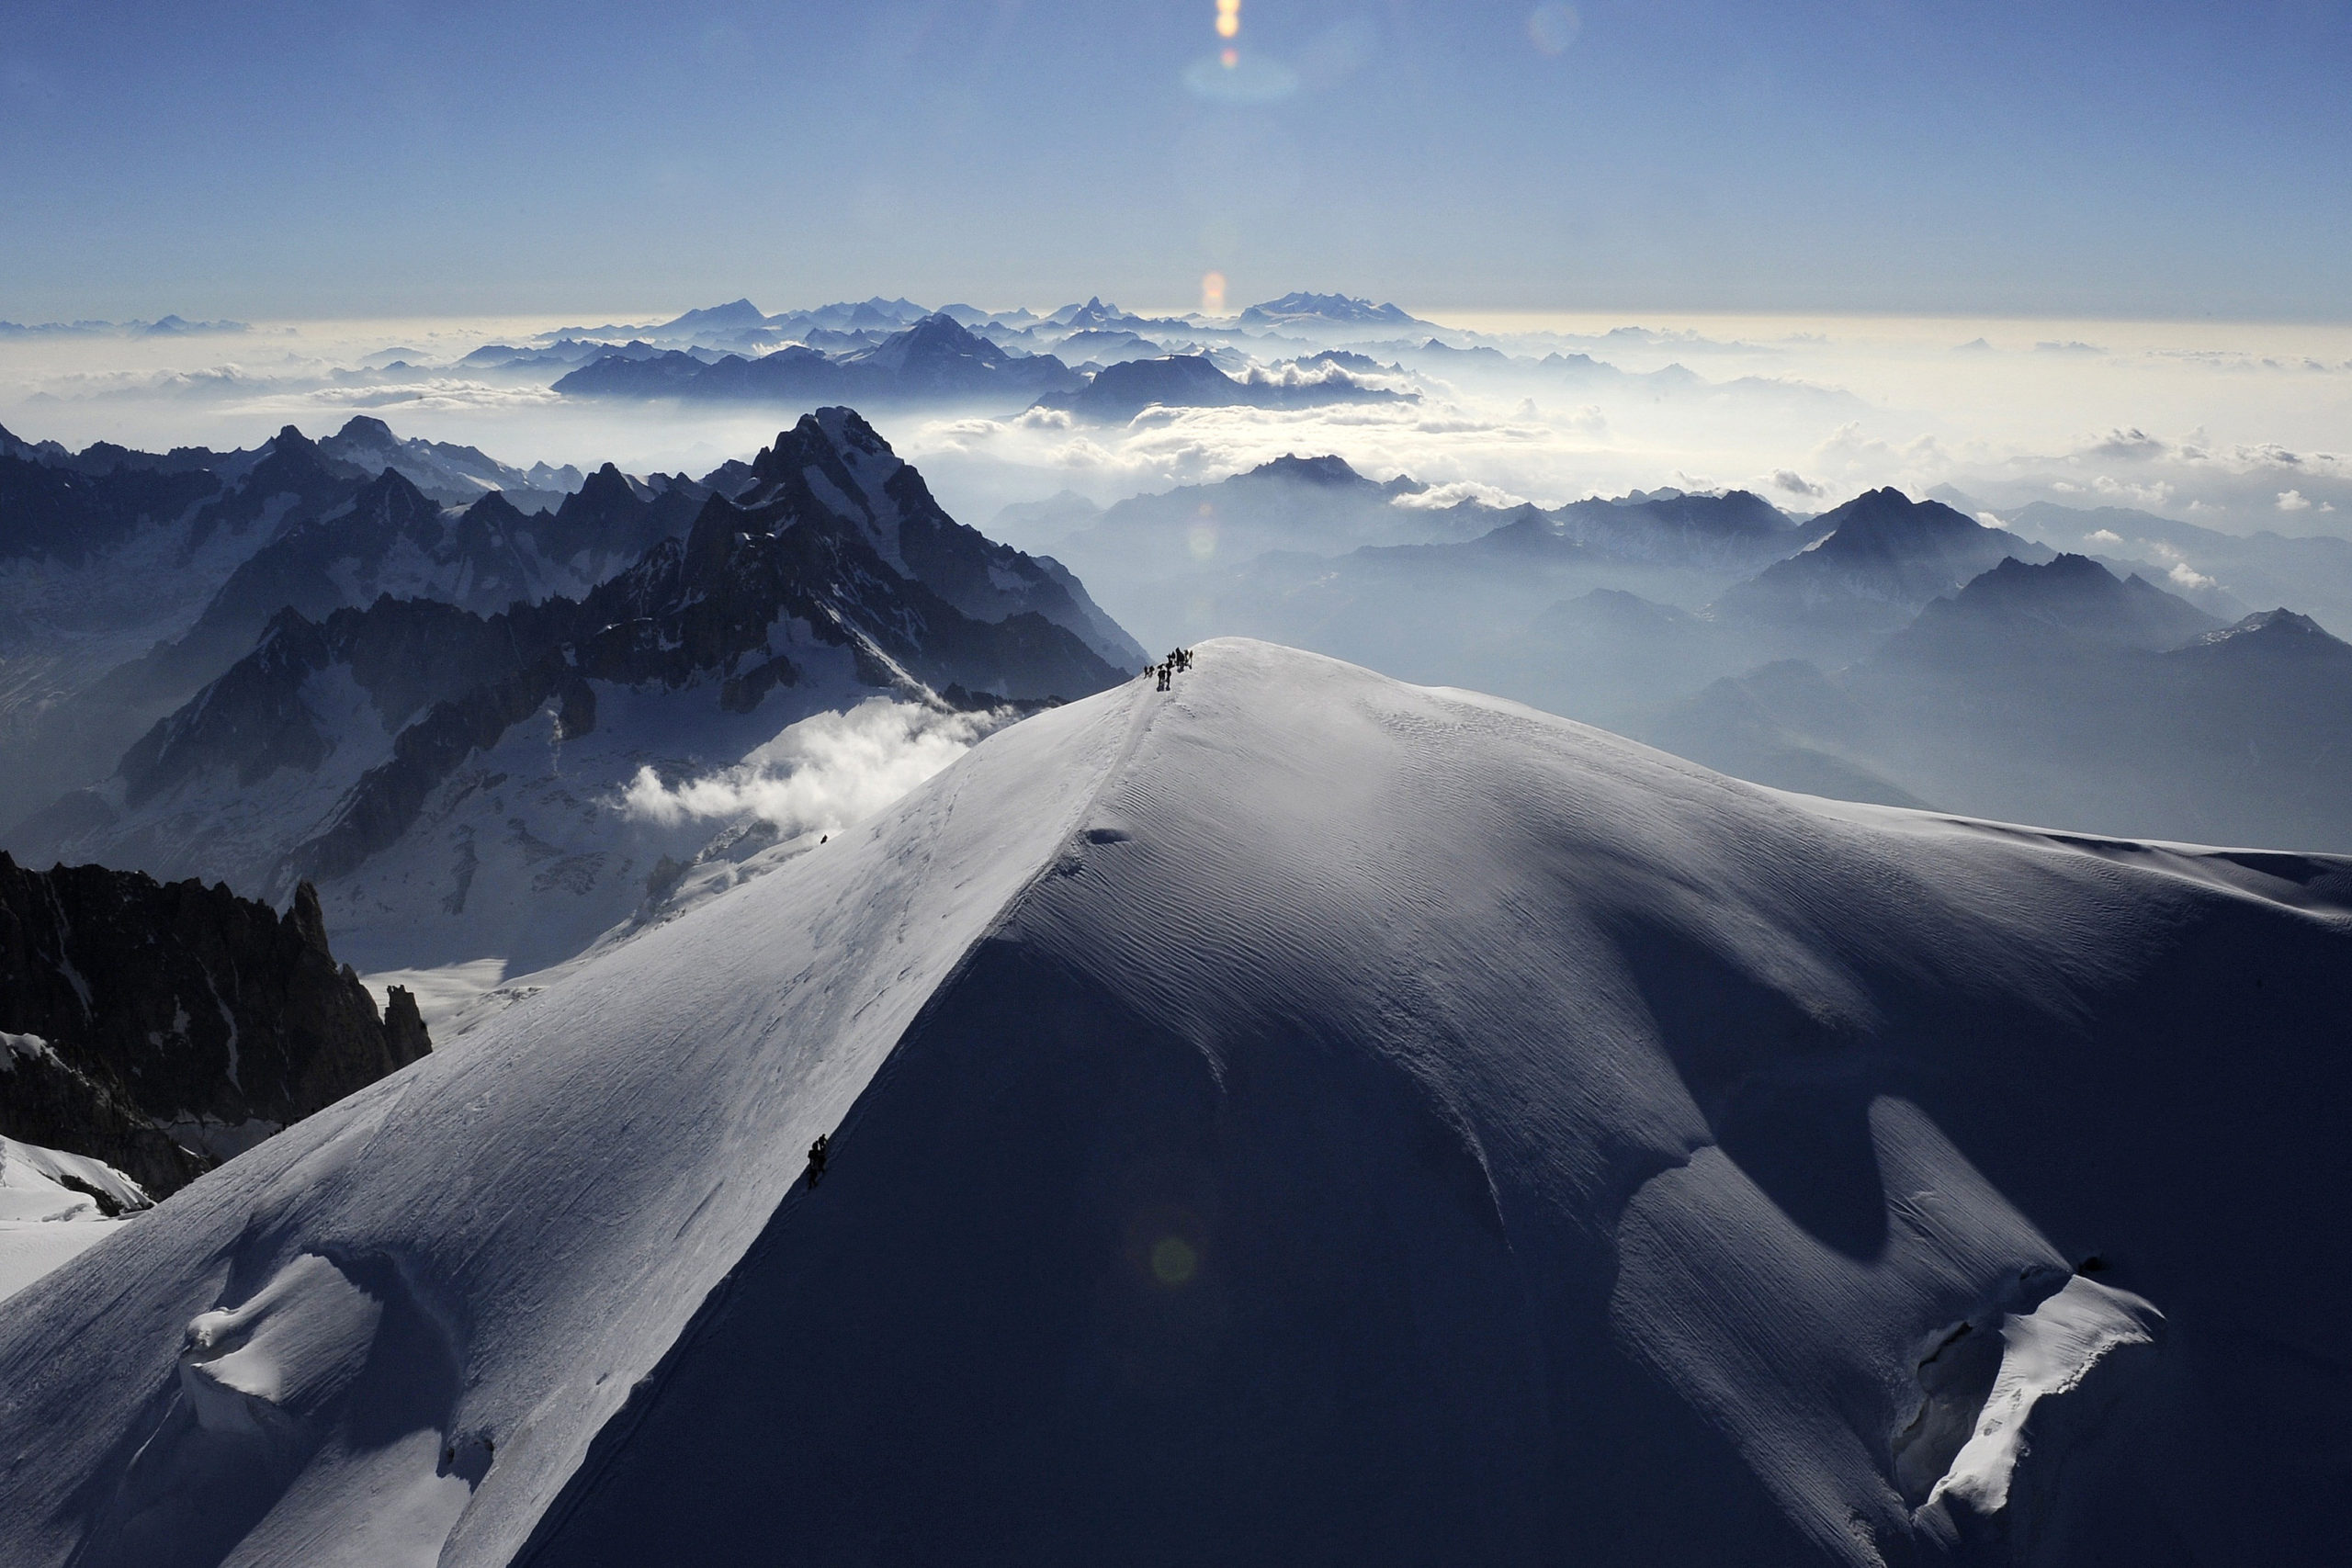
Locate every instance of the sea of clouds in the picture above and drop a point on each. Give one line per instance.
(2239, 426)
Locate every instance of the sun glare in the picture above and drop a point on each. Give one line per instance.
(1228, 19)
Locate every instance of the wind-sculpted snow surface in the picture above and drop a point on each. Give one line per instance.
(1293, 1117)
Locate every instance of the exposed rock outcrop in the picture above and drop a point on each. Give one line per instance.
(162, 1027)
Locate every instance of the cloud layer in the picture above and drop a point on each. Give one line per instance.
(2236, 426)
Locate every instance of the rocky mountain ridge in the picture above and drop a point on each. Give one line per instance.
(164, 1027)
(833, 576)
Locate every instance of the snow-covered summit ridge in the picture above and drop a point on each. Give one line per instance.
(1313, 1114)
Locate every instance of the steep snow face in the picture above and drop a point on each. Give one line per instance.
(1294, 1116)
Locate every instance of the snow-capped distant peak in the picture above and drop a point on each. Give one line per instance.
(1336, 309)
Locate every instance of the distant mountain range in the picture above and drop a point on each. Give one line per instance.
(2221, 572)
(937, 360)
(450, 474)
(1293, 503)
(1880, 559)
(1304, 349)
(1119, 392)
(1889, 650)
(2057, 693)
(741, 317)
(433, 764)
(166, 326)
(132, 579)
(1307, 551)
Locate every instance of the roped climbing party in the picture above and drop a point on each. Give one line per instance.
(1178, 659)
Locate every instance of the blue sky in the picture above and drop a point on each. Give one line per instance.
(1882, 155)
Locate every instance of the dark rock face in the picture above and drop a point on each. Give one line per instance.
(611, 519)
(150, 1020)
(57, 513)
(329, 533)
(689, 612)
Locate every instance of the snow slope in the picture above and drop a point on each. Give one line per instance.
(49, 1204)
(1296, 1117)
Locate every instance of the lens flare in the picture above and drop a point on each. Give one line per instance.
(1228, 19)
(1229, 59)
(1211, 294)
(1173, 1261)
(1552, 28)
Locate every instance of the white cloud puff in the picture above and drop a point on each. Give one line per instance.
(1438, 497)
(822, 774)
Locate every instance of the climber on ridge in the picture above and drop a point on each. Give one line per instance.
(816, 1158)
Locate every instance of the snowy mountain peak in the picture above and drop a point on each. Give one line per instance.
(1092, 314)
(935, 350)
(1263, 1103)
(833, 462)
(1338, 310)
(365, 430)
(2274, 633)
(355, 737)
